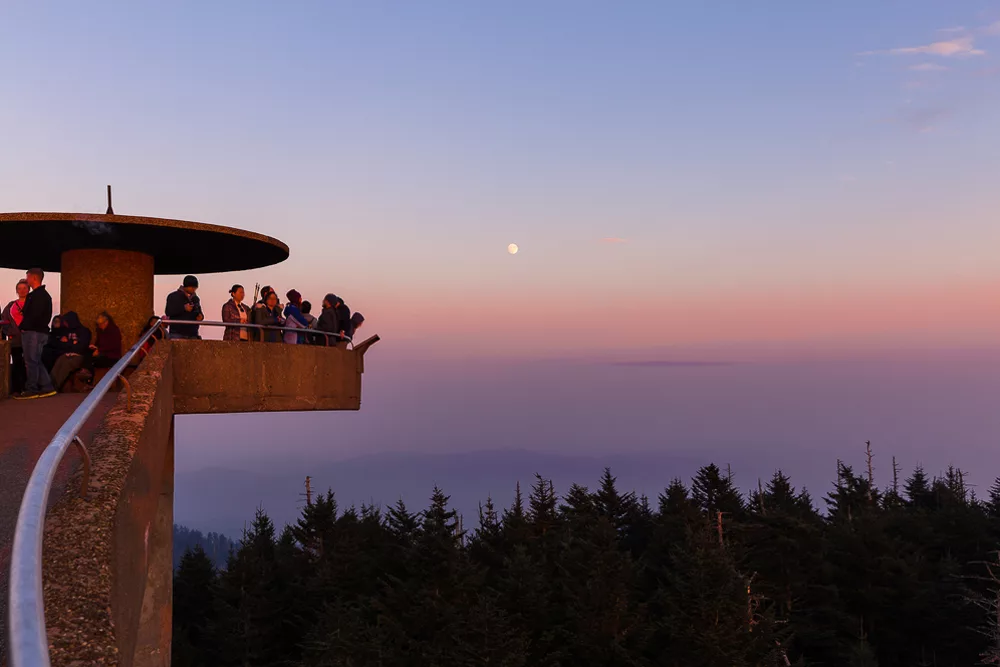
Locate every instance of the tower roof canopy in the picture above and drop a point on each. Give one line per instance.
(177, 246)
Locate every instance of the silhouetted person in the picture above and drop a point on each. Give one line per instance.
(184, 304)
(36, 313)
(357, 319)
(236, 312)
(11, 319)
(72, 347)
(343, 321)
(328, 319)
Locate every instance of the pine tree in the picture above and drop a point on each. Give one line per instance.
(195, 639)
(712, 493)
(918, 490)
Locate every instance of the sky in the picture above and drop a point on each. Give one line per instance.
(684, 180)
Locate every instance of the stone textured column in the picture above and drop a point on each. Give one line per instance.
(118, 281)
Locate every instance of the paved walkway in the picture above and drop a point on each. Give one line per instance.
(26, 428)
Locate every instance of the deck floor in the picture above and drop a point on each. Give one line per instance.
(26, 428)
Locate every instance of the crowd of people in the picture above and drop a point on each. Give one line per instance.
(47, 351)
(335, 325)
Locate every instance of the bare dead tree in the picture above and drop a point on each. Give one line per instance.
(760, 495)
(871, 475)
(895, 476)
(990, 603)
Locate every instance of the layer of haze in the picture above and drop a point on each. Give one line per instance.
(806, 189)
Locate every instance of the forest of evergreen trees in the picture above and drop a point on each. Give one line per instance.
(215, 545)
(700, 576)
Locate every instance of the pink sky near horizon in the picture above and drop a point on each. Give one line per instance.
(553, 322)
(786, 187)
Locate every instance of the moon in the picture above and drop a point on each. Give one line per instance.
(512, 248)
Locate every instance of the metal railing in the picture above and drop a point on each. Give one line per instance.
(246, 325)
(29, 646)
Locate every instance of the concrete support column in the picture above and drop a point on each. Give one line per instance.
(118, 281)
(152, 642)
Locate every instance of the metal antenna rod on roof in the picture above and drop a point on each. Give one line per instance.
(110, 210)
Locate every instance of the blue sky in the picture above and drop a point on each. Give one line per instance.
(744, 152)
(742, 181)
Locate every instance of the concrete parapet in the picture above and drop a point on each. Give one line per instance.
(101, 553)
(228, 376)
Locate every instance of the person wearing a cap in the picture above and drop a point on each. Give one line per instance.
(184, 304)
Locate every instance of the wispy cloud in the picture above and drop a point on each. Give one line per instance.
(928, 67)
(658, 363)
(923, 120)
(958, 28)
(613, 239)
(993, 29)
(959, 47)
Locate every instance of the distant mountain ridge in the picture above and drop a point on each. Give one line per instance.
(223, 499)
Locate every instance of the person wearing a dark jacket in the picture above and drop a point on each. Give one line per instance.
(106, 349)
(336, 319)
(73, 346)
(53, 348)
(328, 319)
(268, 314)
(10, 320)
(35, 316)
(184, 304)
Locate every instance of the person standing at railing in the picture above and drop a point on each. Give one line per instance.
(294, 318)
(268, 314)
(336, 319)
(184, 304)
(235, 311)
(36, 313)
(11, 318)
(311, 338)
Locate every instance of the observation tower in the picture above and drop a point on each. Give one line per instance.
(107, 261)
(96, 542)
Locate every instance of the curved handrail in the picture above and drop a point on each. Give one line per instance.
(29, 646)
(269, 327)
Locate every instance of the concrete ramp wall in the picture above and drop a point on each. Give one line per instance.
(108, 567)
(107, 558)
